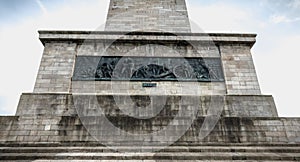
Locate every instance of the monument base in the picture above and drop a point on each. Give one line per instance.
(57, 118)
(47, 126)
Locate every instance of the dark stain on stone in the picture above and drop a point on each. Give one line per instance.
(232, 127)
(63, 126)
(135, 125)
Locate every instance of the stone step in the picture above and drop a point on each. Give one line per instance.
(44, 152)
(195, 149)
(141, 161)
(153, 156)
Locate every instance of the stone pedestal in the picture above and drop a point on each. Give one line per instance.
(189, 96)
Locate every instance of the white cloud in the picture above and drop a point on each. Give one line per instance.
(221, 17)
(21, 50)
(277, 68)
(79, 15)
(294, 4)
(276, 19)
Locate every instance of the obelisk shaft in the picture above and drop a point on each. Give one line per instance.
(148, 15)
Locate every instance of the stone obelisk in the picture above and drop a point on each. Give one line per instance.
(147, 85)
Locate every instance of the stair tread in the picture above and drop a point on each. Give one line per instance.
(177, 153)
(141, 161)
(128, 154)
(156, 147)
(167, 149)
(151, 156)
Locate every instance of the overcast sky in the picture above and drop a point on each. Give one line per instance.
(277, 23)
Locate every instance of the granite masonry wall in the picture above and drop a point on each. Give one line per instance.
(239, 70)
(246, 115)
(56, 67)
(58, 60)
(63, 105)
(53, 118)
(166, 15)
(61, 129)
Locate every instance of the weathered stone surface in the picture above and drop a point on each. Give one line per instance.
(55, 70)
(142, 37)
(239, 70)
(250, 105)
(70, 129)
(154, 15)
(63, 104)
(136, 88)
(53, 118)
(94, 153)
(240, 76)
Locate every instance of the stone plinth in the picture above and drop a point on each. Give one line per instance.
(54, 118)
(61, 49)
(189, 96)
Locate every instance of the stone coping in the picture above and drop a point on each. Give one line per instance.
(146, 33)
(46, 36)
(59, 93)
